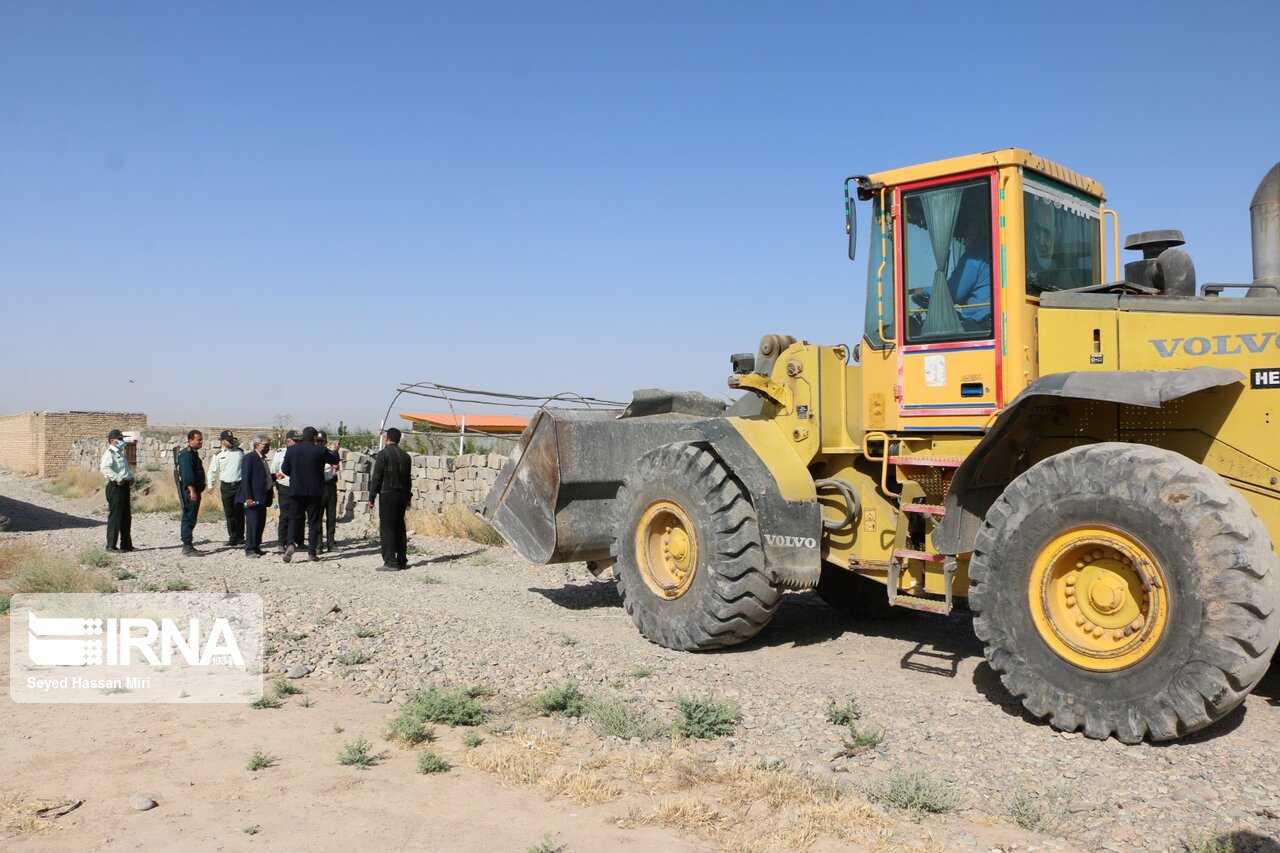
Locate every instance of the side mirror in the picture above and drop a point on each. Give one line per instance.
(850, 219)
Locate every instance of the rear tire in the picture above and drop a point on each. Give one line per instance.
(1127, 590)
(690, 566)
(850, 594)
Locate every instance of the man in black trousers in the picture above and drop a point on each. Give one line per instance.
(283, 492)
(191, 485)
(255, 493)
(304, 466)
(392, 483)
(115, 468)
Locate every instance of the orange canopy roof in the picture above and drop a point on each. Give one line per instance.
(478, 423)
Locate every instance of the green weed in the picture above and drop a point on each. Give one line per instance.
(566, 700)
(430, 762)
(356, 753)
(705, 717)
(914, 791)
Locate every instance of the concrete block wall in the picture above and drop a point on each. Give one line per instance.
(438, 481)
(44, 443)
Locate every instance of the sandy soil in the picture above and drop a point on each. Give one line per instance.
(191, 761)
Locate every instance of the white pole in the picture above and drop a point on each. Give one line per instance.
(462, 431)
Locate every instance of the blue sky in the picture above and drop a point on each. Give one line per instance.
(252, 209)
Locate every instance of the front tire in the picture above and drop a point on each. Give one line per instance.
(1127, 590)
(690, 566)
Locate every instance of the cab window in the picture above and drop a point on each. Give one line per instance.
(1063, 242)
(879, 316)
(947, 263)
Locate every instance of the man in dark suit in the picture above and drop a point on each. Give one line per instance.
(392, 484)
(304, 466)
(255, 493)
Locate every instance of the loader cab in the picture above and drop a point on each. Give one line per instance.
(960, 252)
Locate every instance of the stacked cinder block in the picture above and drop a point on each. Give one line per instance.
(432, 481)
(438, 481)
(353, 482)
(473, 476)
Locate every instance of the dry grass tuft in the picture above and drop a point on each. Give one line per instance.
(519, 757)
(25, 568)
(687, 815)
(579, 785)
(15, 555)
(75, 483)
(453, 521)
(19, 815)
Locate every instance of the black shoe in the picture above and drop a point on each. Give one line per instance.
(125, 549)
(114, 548)
(288, 554)
(259, 552)
(403, 565)
(231, 543)
(254, 554)
(390, 567)
(313, 557)
(190, 551)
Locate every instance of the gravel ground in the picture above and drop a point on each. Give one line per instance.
(465, 614)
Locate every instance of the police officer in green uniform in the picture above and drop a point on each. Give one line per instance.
(115, 468)
(226, 468)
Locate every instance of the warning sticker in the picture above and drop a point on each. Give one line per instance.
(935, 371)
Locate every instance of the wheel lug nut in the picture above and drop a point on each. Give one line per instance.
(1097, 632)
(1117, 635)
(1080, 620)
(1088, 627)
(1071, 601)
(1097, 554)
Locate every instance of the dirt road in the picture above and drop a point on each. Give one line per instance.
(467, 615)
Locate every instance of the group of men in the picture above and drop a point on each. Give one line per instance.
(303, 477)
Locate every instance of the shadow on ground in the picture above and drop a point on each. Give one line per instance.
(25, 516)
(939, 643)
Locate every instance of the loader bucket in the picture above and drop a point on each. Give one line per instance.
(553, 501)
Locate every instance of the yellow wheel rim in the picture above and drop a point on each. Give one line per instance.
(1098, 598)
(666, 549)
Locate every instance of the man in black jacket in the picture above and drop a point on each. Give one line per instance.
(191, 485)
(255, 493)
(392, 483)
(304, 466)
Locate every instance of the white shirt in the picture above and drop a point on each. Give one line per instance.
(115, 467)
(277, 460)
(226, 466)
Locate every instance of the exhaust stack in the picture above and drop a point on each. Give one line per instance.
(1264, 216)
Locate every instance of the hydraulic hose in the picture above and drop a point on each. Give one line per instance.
(852, 504)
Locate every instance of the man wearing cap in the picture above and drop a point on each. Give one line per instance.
(329, 499)
(282, 490)
(191, 485)
(115, 467)
(226, 468)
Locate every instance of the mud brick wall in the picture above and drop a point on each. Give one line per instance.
(438, 481)
(45, 443)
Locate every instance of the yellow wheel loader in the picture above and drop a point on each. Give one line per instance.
(1088, 462)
